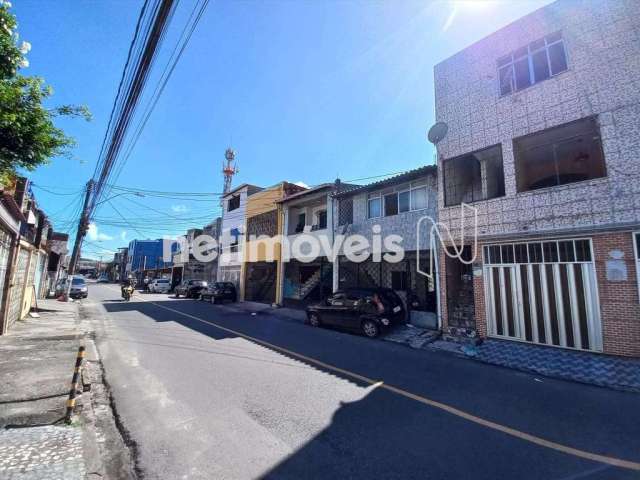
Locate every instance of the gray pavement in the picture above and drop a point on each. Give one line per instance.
(37, 359)
(205, 391)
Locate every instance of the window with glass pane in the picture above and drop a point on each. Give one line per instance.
(403, 201)
(374, 207)
(419, 198)
(390, 204)
(531, 64)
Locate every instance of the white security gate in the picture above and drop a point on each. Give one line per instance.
(543, 292)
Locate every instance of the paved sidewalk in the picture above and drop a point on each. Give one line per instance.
(584, 367)
(42, 453)
(36, 365)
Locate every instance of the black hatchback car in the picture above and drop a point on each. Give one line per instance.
(219, 291)
(366, 310)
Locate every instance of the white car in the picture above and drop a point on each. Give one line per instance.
(160, 285)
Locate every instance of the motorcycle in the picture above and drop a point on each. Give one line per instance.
(127, 291)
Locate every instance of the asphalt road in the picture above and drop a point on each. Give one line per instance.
(200, 401)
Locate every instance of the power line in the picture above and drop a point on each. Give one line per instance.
(164, 79)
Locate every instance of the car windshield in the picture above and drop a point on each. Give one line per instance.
(162, 281)
(77, 281)
(199, 283)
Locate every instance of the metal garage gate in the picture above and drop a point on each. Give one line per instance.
(543, 292)
(17, 288)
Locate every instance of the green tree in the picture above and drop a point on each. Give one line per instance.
(28, 136)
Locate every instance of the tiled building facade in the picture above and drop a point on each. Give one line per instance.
(548, 112)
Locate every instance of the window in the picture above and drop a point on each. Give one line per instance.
(233, 203)
(390, 204)
(474, 177)
(566, 154)
(375, 207)
(404, 201)
(302, 221)
(419, 198)
(410, 198)
(532, 64)
(321, 220)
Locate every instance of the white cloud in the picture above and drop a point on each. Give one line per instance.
(179, 208)
(123, 235)
(96, 236)
(301, 184)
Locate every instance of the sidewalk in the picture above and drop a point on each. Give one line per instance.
(36, 365)
(584, 367)
(596, 369)
(410, 335)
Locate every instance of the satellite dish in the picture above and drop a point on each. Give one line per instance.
(437, 132)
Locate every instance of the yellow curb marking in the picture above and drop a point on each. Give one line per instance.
(616, 462)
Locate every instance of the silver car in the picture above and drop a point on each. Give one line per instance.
(160, 285)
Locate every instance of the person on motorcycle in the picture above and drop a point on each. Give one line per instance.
(126, 288)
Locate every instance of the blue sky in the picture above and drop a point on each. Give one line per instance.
(302, 90)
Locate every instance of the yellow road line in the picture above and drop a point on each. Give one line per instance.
(616, 462)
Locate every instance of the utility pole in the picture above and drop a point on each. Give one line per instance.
(82, 231)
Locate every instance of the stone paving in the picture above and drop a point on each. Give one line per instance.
(41, 453)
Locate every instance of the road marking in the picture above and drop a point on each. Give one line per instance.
(616, 462)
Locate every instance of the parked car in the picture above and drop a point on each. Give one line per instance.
(366, 310)
(160, 285)
(219, 291)
(103, 279)
(190, 288)
(79, 288)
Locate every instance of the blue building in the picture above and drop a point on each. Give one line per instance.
(145, 255)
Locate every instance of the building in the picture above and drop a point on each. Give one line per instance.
(394, 206)
(144, 255)
(543, 143)
(56, 265)
(264, 218)
(25, 232)
(186, 266)
(232, 235)
(307, 276)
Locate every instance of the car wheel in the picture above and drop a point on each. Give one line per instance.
(314, 320)
(370, 328)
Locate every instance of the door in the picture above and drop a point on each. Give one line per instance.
(543, 292)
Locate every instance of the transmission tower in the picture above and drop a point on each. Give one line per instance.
(229, 169)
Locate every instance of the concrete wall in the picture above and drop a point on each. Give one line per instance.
(602, 42)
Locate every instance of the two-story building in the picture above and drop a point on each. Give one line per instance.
(232, 234)
(394, 206)
(543, 145)
(306, 275)
(264, 223)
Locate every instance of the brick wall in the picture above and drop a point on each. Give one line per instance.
(619, 299)
(619, 303)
